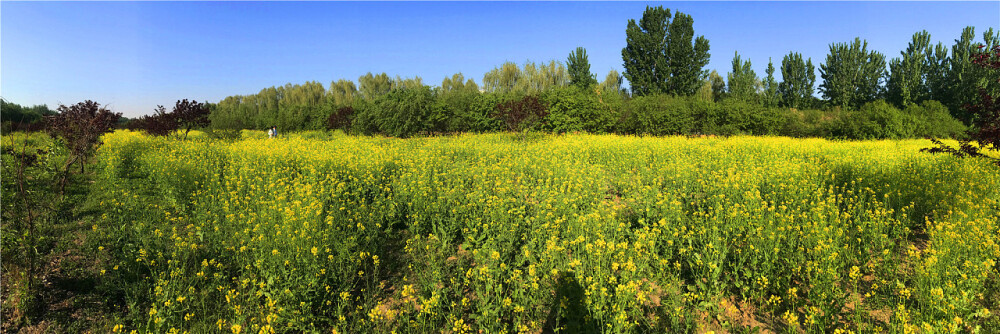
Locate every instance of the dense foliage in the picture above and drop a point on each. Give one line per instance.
(578, 66)
(668, 93)
(160, 123)
(662, 56)
(80, 128)
(985, 134)
(852, 75)
(15, 117)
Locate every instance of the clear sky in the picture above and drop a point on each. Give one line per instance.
(133, 56)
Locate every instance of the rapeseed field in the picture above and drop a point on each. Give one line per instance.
(496, 233)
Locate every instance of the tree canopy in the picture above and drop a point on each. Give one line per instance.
(659, 56)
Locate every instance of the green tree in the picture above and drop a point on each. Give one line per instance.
(743, 81)
(770, 93)
(578, 66)
(300, 106)
(686, 60)
(539, 78)
(705, 91)
(852, 75)
(471, 86)
(503, 79)
(371, 86)
(341, 93)
(530, 79)
(718, 86)
(798, 78)
(938, 63)
(659, 56)
(454, 83)
(965, 78)
(455, 100)
(612, 83)
(402, 112)
(408, 83)
(962, 77)
(907, 83)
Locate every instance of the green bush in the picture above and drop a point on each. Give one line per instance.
(661, 115)
(468, 111)
(741, 117)
(874, 120)
(402, 112)
(809, 122)
(932, 119)
(574, 109)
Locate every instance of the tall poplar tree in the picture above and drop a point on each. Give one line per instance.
(965, 78)
(962, 79)
(907, 75)
(770, 93)
(659, 56)
(687, 60)
(852, 75)
(578, 66)
(937, 79)
(798, 79)
(743, 81)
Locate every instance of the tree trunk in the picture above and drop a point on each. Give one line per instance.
(65, 174)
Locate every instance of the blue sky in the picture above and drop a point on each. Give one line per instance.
(135, 55)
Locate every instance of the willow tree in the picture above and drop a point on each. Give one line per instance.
(503, 79)
(612, 83)
(372, 86)
(341, 93)
(532, 78)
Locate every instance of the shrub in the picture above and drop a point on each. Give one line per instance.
(875, 120)
(521, 115)
(160, 123)
(809, 122)
(80, 126)
(932, 119)
(340, 119)
(402, 112)
(576, 109)
(740, 117)
(661, 115)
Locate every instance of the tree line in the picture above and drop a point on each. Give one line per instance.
(18, 117)
(922, 92)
